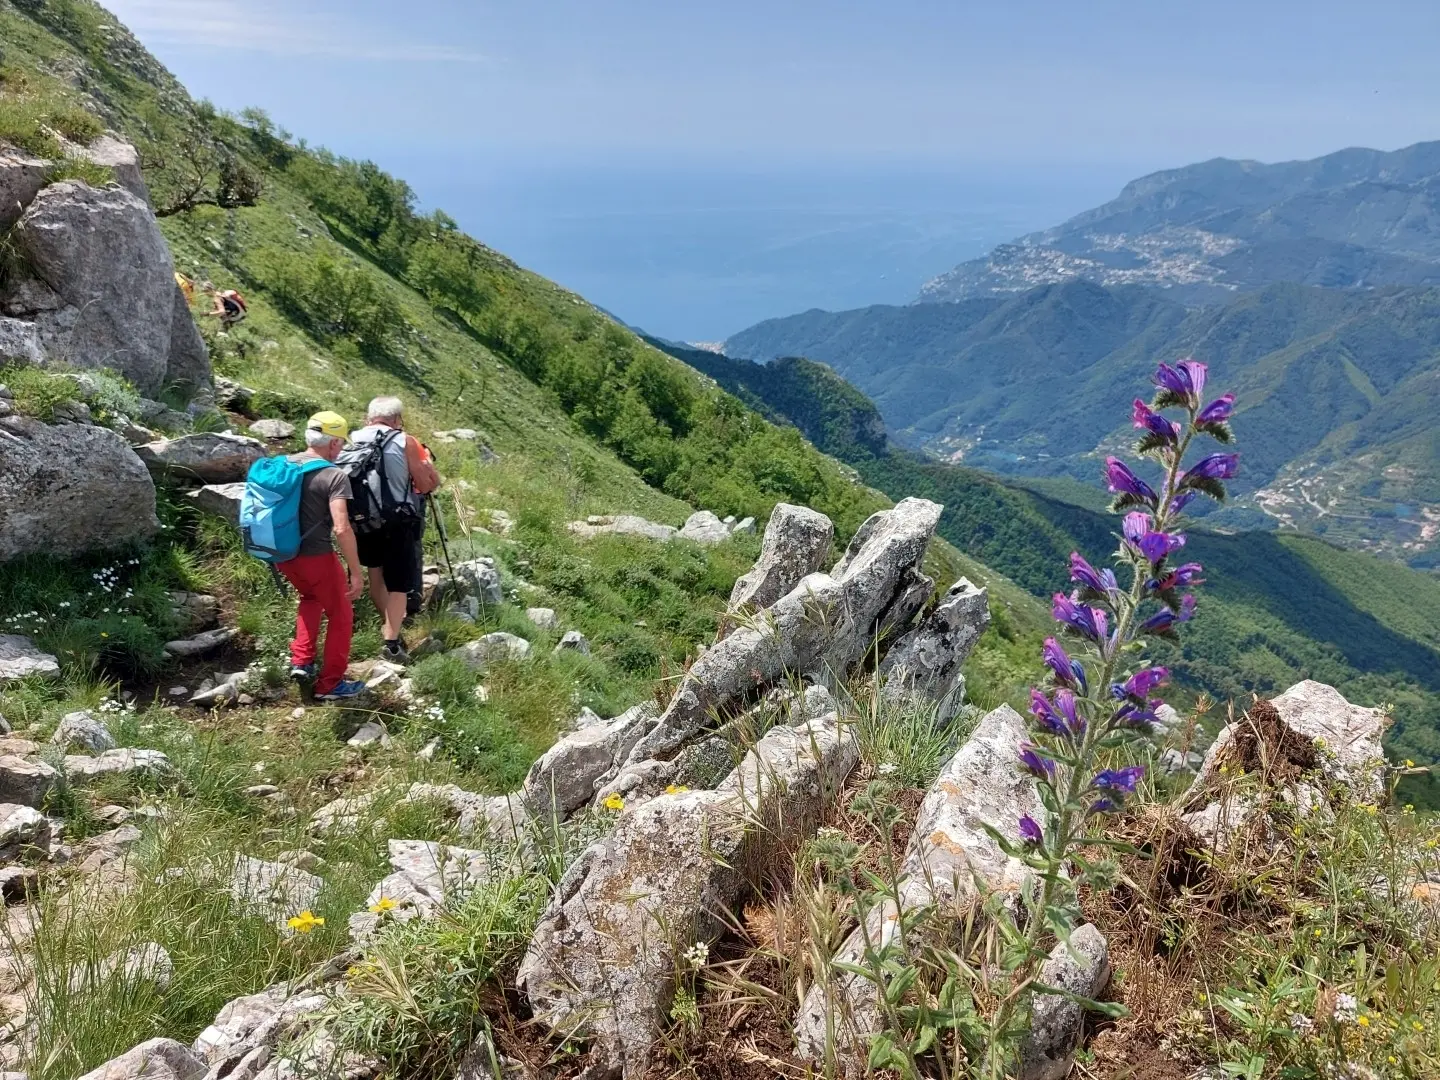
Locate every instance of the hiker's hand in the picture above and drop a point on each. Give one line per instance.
(357, 586)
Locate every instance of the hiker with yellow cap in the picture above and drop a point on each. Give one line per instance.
(327, 589)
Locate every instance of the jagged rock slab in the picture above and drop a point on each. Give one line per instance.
(796, 543)
(1083, 970)
(154, 1059)
(202, 643)
(25, 783)
(102, 253)
(622, 525)
(22, 827)
(195, 611)
(255, 1022)
(211, 457)
(825, 622)
(125, 761)
(20, 659)
(924, 664)
(600, 963)
(21, 178)
(84, 730)
(20, 343)
(479, 578)
(272, 429)
(500, 817)
(427, 876)
(225, 692)
(272, 890)
(704, 528)
(122, 159)
(70, 488)
(573, 641)
(484, 651)
(949, 849)
(564, 778)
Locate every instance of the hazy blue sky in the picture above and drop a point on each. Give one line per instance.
(559, 126)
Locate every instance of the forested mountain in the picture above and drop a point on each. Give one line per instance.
(1279, 607)
(1336, 390)
(1356, 218)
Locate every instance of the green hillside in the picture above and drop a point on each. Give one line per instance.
(1278, 608)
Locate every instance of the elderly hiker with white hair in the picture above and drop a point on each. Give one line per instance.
(315, 572)
(387, 468)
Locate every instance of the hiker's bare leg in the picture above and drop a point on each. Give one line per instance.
(379, 595)
(394, 615)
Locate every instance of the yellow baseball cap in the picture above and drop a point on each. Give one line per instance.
(332, 424)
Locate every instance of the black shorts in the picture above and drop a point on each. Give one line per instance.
(392, 549)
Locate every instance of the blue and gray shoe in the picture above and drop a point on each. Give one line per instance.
(343, 691)
(303, 673)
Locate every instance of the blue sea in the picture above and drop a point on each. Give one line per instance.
(699, 251)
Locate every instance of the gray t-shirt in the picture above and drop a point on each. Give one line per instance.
(320, 486)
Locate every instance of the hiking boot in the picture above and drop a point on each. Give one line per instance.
(342, 691)
(303, 673)
(395, 654)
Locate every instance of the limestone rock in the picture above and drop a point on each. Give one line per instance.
(231, 395)
(195, 611)
(704, 528)
(255, 1021)
(1083, 969)
(147, 963)
(83, 729)
(797, 540)
(21, 178)
(573, 641)
(924, 665)
(222, 500)
(543, 617)
(564, 777)
(154, 1059)
(225, 692)
(744, 527)
(600, 962)
(18, 884)
(22, 827)
(479, 579)
(126, 761)
(122, 159)
(20, 343)
(69, 488)
(102, 253)
(211, 457)
(20, 659)
(370, 733)
(272, 890)
(188, 365)
(499, 646)
(206, 642)
(427, 876)
(949, 850)
(272, 429)
(828, 621)
(622, 525)
(24, 782)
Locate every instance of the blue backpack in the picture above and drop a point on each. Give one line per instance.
(270, 507)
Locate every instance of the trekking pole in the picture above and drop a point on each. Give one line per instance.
(440, 531)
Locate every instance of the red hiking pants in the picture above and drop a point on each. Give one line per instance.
(320, 581)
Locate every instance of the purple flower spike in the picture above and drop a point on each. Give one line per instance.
(1180, 578)
(1179, 502)
(1143, 681)
(1044, 712)
(1187, 378)
(1067, 706)
(1068, 671)
(1103, 806)
(1147, 419)
(1214, 467)
(1164, 620)
(1100, 581)
(1218, 411)
(1132, 715)
(1030, 830)
(1118, 781)
(1087, 620)
(1153, 545)
(1036, 764)
(1134, 527)
(1124, 482)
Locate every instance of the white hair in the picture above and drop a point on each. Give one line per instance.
(317, 440)
(384, 408)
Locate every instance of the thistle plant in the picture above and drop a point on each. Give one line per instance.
(1097, 693)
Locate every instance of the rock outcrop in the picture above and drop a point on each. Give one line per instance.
(797, 541)
(601, 961)
(951, 856)
(21, 659)
(100, 254)
(209, 457)
(1082, 969)
(156, 1059)
(565, 776)
(70, 488)
(924, 664)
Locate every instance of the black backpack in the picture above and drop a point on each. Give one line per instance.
(372, 504)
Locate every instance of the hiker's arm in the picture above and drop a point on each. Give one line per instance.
(345, 537)
(422, 473)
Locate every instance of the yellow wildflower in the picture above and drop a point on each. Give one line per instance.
(1417, 1025)
(676, 789)
(1363, 1021)
(306, 921)
(614, 801)
(383, 905)
(1409, 764)
(104, 634)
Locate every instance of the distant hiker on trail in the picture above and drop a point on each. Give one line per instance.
(315, 572)
(229, 305)
(388, 469)
(186, 286)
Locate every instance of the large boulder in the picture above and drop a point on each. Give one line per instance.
(797, 540)
(826, 623)
(70, 488)
(704, 528)
(426, 877)
(564, 777)
(951, 859)
(154, 1059)
(211, 457)
(102, 253)
(21, 178)
(222, 500)
(23, 782)
(924, 665)
(600, 964)
(21, 659)
(1082, 970)
(494, 647)
(20, 343)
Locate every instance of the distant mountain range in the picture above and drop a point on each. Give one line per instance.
(1355, 218)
